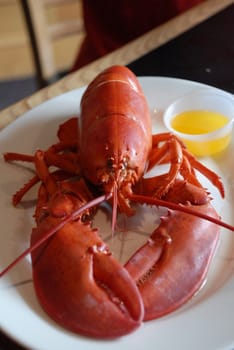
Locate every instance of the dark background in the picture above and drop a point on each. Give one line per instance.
(204, 54)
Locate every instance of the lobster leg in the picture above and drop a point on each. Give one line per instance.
(182, 162)
(62, 155)
(172, 266)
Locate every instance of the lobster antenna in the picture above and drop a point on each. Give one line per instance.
(114, 210)
(54, 229)
(178, 207)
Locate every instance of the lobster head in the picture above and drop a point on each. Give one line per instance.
(115, 130)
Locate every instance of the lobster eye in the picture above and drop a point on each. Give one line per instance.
(110, 163)
(86, 218)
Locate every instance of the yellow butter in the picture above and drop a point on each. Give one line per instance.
(199, 122)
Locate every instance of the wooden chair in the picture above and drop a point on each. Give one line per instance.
(42, 35)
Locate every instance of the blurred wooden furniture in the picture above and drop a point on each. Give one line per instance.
(13, 42)
(42, 34)
(130, 52)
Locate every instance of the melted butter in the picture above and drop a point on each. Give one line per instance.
(198, 122)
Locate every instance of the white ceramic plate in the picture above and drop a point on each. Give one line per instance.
(206, 322)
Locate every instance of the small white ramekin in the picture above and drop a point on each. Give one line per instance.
(209, 100)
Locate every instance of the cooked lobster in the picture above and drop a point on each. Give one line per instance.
(104, 157)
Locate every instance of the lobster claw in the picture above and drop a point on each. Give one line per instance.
(82, 287)
(172, 266)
